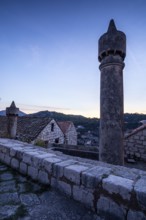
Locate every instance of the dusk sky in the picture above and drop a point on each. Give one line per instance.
(49, 50)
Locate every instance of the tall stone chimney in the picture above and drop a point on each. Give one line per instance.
(12, 116)
(111, 54)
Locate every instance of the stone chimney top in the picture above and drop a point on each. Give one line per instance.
(112, 42)
(12, 110)
(112, 26)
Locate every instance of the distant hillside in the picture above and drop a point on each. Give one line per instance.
(87, 123)
(3, 113)
(132, 120)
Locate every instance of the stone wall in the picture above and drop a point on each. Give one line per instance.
(71, 135)
(135, 144)
(113, 192)
(51, 136)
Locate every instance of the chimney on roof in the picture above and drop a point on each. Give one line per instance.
(12, 116)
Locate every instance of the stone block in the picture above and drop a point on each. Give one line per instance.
(27, 158)
(142, 138)
(73, 172)
(64, 187)
(131, 139)
(92, 177)
(108, 209)
(38, 159)
(136, 137)
(144, 143)
(43, 177)
(118, 185)
(58, 168)
(137, 155)
(49, 162)
(23, 168)
(2, 157)
(19, 155)
(7, 160)
(144, 132)
(13, 152)
(135, 215)
(138, 141)
(83, 195)
(140, 189)
(29, 199)
(15, 163)
(33, 172)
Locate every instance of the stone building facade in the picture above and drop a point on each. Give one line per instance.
(52, 133)
(70, 133)
(34, 129)
(135, 144)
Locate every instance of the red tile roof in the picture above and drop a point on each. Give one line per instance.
(64, 125)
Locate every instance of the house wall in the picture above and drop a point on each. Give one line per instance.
(71, 135)
(135, 145)
(50, 136)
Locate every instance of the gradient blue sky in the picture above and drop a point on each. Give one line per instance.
(49, 49)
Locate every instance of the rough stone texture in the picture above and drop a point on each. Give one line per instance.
(73, 172)
(133, 215)
(33, 172)
(48, 135)
(49, 162)
(15, 163)
(32, 201)
(23, 168)
(83, 195)
(92, 183)
(92, 177)
(109, 209)
(43, 177)
(140, 189)
(111, 55)
(58, 168)
(64, 187)
(7, 159)
(118, 185)
(135, 144)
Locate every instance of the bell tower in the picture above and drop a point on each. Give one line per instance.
(111, 54)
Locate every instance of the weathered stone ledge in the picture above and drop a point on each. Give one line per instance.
(113, 192)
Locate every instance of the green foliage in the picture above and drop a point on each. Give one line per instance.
(40, 143)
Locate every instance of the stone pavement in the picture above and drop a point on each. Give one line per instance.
(23, 199)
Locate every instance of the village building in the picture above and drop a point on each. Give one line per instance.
(33, 129)
(135, 144)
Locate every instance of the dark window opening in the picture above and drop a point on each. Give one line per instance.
(57, 141)
(52, 127)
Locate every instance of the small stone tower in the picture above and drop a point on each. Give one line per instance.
(12, 115)
(111, 54)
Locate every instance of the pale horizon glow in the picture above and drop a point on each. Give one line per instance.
(49, 50)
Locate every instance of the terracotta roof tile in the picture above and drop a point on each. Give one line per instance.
(28, 128)
(64, 125)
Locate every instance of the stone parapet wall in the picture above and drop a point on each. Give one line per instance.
(113, 192)
(135, 145)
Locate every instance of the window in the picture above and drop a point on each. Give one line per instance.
(57, 141)
(52, 127)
